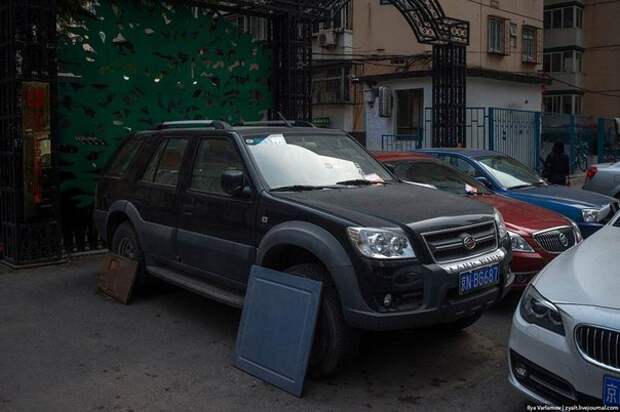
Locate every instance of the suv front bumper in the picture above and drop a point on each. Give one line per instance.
(440, 303)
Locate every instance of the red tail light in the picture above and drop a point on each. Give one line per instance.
(592, 171)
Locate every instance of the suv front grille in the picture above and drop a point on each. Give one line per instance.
(599, 346)
(557, 240)
(448, 245)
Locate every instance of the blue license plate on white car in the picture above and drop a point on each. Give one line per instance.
(611, 391)
(478, 279)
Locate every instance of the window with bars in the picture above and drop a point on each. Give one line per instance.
(332, 85)
(529, 51)
(565, 104)
(496, 35)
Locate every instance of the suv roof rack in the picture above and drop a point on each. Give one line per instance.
(215, 124)
(285, 123)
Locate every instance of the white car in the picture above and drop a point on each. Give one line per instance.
(565, 341)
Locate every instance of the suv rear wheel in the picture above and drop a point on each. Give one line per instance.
(125, 243)
(335, 343)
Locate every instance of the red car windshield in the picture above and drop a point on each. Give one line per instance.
(441, 176)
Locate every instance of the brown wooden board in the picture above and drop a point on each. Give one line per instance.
(117, 277)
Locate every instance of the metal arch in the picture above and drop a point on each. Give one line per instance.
(426, 18)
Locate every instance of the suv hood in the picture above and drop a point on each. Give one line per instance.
(395, 203)
(585, 275)
(565, 195)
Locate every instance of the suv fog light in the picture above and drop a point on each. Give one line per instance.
(520, 370)
(387, 300)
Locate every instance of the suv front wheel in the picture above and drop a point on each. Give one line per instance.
(335, 343)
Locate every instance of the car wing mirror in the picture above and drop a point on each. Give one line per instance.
(234, 183)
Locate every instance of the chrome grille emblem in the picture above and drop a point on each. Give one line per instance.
(563, 239)
(469, 242)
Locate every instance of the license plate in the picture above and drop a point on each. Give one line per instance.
(478, 279)
(611, 391)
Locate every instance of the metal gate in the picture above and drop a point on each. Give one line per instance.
(515, 133)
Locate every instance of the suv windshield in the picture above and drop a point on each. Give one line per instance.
(510, 173)
(443, 177)
(305, 161)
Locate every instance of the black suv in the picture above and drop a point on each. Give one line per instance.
(198, 203)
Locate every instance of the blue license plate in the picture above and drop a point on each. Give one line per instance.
(611, 391)
(478, 279)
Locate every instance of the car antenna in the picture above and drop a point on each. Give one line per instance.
(288, 124)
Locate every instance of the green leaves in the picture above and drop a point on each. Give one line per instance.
(128, 67)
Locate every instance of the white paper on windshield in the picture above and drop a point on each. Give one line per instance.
(375, 178)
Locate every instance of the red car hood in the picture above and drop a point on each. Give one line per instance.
(524, 217)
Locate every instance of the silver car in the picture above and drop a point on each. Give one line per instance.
(565, 339)
(604, 178)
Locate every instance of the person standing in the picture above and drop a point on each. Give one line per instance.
(557, 166)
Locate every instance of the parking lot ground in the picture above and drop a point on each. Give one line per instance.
(64, 347)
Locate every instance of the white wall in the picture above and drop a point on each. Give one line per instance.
(340, 115)
(481, 92)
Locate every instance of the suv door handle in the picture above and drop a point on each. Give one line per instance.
(188, 212)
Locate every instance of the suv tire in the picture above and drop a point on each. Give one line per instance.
(125, 243)
(335, 343)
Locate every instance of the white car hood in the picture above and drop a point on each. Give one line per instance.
(588, 274)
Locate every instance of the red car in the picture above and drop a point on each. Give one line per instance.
(538, 235)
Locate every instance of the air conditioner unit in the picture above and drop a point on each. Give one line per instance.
(328, 39)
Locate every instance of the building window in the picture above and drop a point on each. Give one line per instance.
(570, 61)
(497, 35)
(564, 18)
(579, 61)
(331, 85)
(563, 104)
(343, 20)
(258, 27)
(529, 51)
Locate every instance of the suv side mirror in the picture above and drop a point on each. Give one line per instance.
(233, 183)
(484, 181)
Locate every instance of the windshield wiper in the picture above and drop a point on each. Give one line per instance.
(298, 188)
(358, 182)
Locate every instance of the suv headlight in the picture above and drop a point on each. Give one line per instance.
(535, 309)
(501, 226)
(590, 215)
(519, 244)
(381, 243)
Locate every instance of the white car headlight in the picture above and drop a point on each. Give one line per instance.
(378, 243)
(535, 309)
(501, 226)
(590, 215)
(519, 244)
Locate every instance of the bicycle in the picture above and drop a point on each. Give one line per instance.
(582, 150)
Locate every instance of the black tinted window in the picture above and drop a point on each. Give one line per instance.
(215, 156)
(165, 165)
(124, 157)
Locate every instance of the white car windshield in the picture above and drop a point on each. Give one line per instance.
(510, 173)
(313, 161)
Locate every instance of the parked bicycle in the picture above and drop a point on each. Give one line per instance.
(581, 161)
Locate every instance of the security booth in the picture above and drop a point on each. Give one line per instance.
(78, 77)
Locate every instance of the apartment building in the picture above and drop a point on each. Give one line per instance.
(371, 45)
(582, 56)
